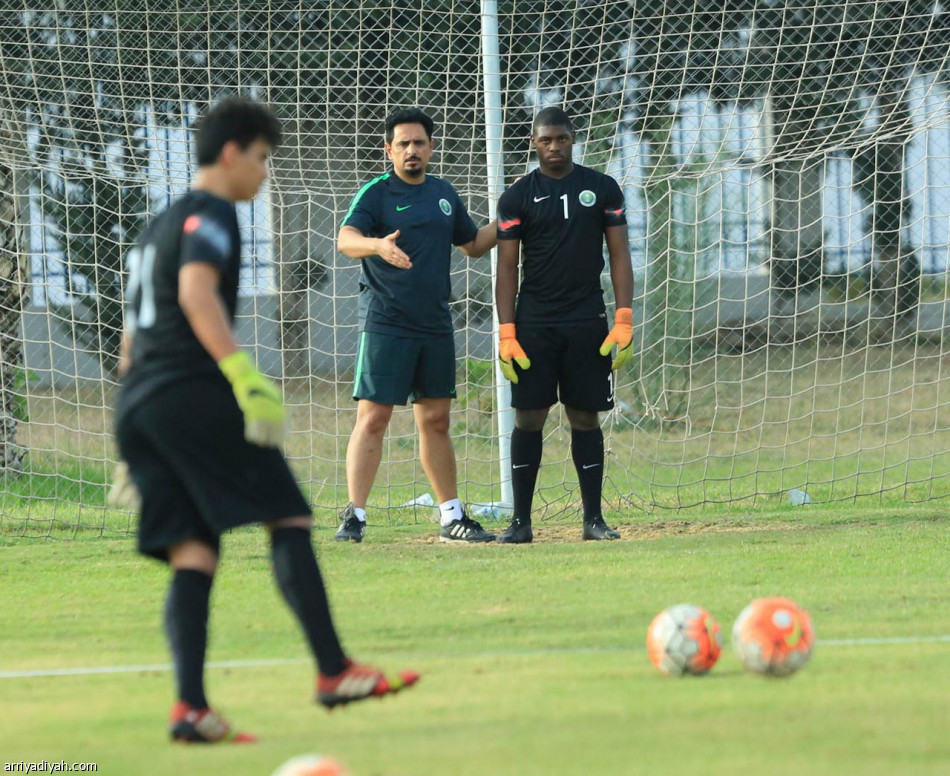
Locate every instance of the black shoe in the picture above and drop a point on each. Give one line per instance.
(596, 529)
(189, 725)
(518, 532)
(351, 527)
(465, 530)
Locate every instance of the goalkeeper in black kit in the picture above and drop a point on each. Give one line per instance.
(198, 426)
(555, 343)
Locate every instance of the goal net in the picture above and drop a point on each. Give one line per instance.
(785, 166)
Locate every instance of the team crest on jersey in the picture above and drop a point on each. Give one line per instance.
(587, 198)
(445, 206)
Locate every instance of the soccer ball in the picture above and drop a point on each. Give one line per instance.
(684, 639)
(773, 636)
(311, 765)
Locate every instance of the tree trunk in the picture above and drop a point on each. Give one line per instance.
(895, 271)
(661, 328)
(796, 236)
(13, 290)
(796, 233)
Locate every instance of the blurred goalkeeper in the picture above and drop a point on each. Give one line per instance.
(554, 340)
(199, 427)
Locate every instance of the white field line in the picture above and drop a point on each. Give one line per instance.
(160, 667)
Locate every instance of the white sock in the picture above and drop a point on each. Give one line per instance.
(450, 511)
(360, 514)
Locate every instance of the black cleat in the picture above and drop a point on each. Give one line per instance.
(351, 527)
(189, 725)
(518, 532)
(596, 529)
(465, 530)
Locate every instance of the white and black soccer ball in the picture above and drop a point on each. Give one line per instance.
(684, 639)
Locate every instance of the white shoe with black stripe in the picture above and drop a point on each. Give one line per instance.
(465, 530)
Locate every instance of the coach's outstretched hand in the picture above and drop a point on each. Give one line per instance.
(620, 335)
(265, 419)
(510, 350)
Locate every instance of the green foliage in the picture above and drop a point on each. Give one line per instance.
(476, 400)
(19, 387)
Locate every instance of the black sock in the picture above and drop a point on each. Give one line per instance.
(587, 450)
(299, 580)
(186, 625)
(526, 449)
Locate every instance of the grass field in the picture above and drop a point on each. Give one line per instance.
(532, 657)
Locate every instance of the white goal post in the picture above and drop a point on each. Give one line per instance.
(786, 167)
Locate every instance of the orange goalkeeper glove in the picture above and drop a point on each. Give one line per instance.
(620, 335)
(510, 350)
(265, 419)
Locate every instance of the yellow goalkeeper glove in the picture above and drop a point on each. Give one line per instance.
(620, 335)
(124, 494)
(510, 350)
(265, 419)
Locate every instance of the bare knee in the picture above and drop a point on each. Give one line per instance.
(193, 555)
(432, 416)
(582, 420)
(531, 420)
(433, 424)
(372, 418)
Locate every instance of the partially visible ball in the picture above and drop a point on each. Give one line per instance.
(311, 765)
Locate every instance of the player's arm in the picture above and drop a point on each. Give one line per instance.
(265, 419)
(621, 276)
(484, 241)
(621, 267)
(204, 308)
(353, 243)
(125, 354)
(506, 279)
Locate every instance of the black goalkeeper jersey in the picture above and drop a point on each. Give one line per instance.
(199, 226)
(560, 223)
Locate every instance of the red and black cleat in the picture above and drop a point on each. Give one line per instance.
(358, 682)
(188, 725)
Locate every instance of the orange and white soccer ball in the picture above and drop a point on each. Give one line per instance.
(773, 636)
(311, 765)
(684, 639)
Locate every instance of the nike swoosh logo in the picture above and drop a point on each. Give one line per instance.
(400, 208)
(538, 199)
(590, 465)
(520, 465)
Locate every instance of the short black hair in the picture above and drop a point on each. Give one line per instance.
(551, 117)
(237, 119)
(408, 116)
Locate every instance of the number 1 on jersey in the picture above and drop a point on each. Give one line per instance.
(563, 199)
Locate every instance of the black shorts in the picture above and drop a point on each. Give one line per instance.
(197, 474)
(391, 369)
(566, 365)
